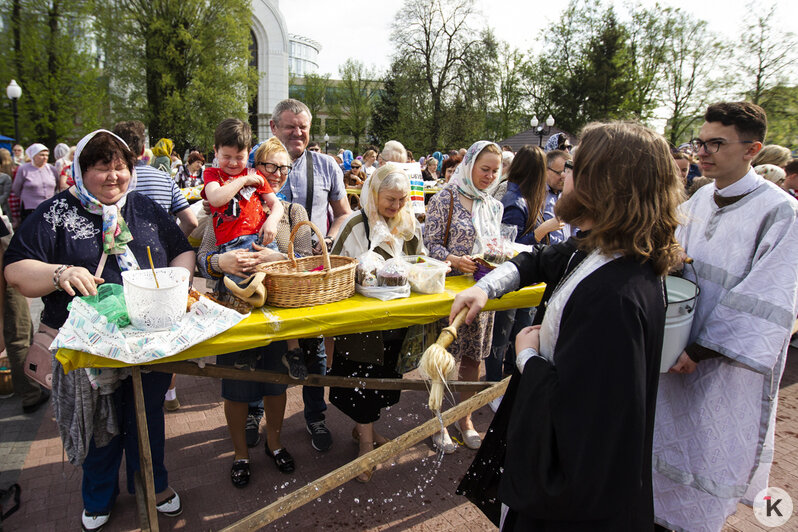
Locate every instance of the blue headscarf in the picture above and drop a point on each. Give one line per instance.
(347, 158)
(438, 157)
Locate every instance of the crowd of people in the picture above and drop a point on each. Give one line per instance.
(575, 443)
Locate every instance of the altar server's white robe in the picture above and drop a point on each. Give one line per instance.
(713, 437)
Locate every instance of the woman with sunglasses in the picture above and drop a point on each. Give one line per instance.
(272, 162)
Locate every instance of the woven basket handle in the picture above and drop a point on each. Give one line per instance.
(315, 229)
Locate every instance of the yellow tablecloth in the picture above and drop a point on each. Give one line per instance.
(426, 191)
(353, 315)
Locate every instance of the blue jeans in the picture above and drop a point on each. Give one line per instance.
(243, 242)
(316, 361)
(506, 325)
(101, 466)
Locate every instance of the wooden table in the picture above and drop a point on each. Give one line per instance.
(270, 324)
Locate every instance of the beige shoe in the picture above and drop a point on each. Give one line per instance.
(255, 291)
(471, 438)
(442, 440)
(171, 404)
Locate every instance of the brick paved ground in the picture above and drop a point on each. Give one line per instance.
(413, 492)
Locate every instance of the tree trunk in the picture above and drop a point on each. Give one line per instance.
(435, 127)
(52, 66)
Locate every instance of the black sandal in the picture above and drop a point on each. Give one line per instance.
(239, 474)
(282, 459)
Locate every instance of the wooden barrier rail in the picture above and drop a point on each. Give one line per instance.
(345, 473)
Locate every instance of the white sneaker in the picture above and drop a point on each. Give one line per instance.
(94, 522)
(171, 507)
(442, 440)
(494, 405)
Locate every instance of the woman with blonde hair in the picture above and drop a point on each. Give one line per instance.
(773, 154)
(386, 225)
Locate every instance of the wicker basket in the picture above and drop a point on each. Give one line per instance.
(291, 284)
(6, 386)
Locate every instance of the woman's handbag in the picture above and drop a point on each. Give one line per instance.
(39, 362)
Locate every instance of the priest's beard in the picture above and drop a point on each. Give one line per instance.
(569, 209)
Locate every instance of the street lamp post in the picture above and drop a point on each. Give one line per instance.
(539, 130)
(326, 142)
(14, 91)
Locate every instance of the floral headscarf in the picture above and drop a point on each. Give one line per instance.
(116, 234)
(393, 231)
(553, 142)
(486, 211)
(163, 148)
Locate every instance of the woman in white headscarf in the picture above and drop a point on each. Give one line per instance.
(83, 237)
(460, 219)
(386, 225)
(35, 181)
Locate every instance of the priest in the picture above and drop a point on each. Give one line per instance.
(581, 422)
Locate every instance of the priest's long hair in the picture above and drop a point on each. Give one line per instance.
(626, 183)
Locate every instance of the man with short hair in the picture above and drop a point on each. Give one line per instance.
(314, 146)
(716, 408)
(555, 176)
(155, 184)
(790, 183)
(317, 183)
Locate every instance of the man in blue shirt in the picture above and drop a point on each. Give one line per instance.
(555, 177)
(319, 187)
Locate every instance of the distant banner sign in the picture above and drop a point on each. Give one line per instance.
(416, 185)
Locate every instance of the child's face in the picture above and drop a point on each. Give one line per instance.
(231, 160)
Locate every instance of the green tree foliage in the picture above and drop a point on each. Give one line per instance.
(355, 99)
(48, 50)
(315, 94)
(433, 41)
(511, 103)
(689, 75)
(386, 111)
(766, 54)
(182, 67)
(781, 105)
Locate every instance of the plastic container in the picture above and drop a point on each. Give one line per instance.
(426, 275)
(151, 308)
(682, 295)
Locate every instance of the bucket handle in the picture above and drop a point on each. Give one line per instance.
(689, 262)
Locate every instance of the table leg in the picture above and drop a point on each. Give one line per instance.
(145, 456)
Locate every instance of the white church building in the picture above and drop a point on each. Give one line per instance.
(277, 55)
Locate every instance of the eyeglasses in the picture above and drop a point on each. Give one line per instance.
(712, 146)
(559, 173)
(273, 168)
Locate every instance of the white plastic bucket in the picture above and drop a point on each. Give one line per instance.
(682, 295)
(151, 308)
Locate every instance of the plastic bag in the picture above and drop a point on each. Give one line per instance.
(366, 271)
(393, 272)
(110, 302)
(384, 293)
(426, 275)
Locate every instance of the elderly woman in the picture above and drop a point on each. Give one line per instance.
(387, 226)
(35, 181)
(459, 220)
(84, 236)
(190, 174)
(272, 160)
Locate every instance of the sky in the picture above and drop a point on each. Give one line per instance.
(360, 29)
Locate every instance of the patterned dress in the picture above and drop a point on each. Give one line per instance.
(473, 340)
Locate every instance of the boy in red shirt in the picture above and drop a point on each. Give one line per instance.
(238, 195)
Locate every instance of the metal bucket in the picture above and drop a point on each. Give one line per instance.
(682, 295)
